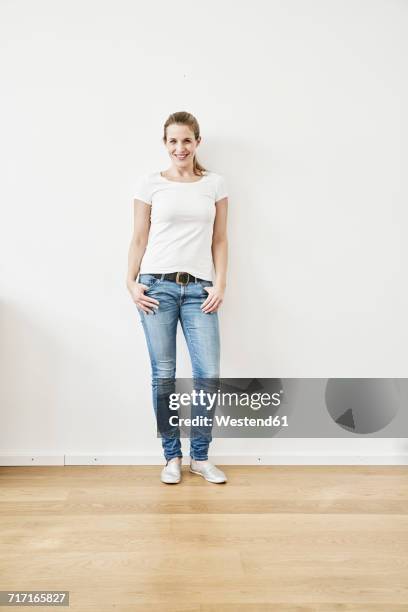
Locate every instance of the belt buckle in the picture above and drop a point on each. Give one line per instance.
(180, 282)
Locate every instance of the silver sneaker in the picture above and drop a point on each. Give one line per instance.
(171, 473)
(208, 471)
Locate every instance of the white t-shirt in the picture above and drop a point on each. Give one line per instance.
(182, 219)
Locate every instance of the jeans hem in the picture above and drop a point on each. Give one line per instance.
(172, 457)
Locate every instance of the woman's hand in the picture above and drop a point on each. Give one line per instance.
(142, 301)
(214, 300)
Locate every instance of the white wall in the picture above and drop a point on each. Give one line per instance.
(300, 106)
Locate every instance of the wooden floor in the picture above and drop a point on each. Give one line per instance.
(281, 538)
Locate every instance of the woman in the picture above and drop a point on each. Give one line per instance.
(180, 218)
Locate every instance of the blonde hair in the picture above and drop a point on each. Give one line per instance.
(184, 118)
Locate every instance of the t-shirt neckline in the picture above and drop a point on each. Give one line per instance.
(182, 182)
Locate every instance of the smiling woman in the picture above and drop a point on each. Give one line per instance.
(180, 238)
(182, 138)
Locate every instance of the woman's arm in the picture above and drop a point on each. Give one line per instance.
(220, 243)
(139, 240)
(219, 250)
(136, 251)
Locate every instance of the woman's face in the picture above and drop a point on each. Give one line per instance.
(181, 145)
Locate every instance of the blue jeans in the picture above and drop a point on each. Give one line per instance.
(201, 331)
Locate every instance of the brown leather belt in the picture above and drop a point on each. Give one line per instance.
(181, 278)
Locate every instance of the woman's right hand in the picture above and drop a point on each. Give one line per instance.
(142, 301)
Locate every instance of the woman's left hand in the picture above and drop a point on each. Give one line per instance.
(214, 299)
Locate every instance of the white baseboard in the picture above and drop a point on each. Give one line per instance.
(30, 459)
(14, 459)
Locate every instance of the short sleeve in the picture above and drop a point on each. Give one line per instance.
(142, 190)
(220, 188)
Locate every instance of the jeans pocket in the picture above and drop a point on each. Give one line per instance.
(205, 284)
(149, 280)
